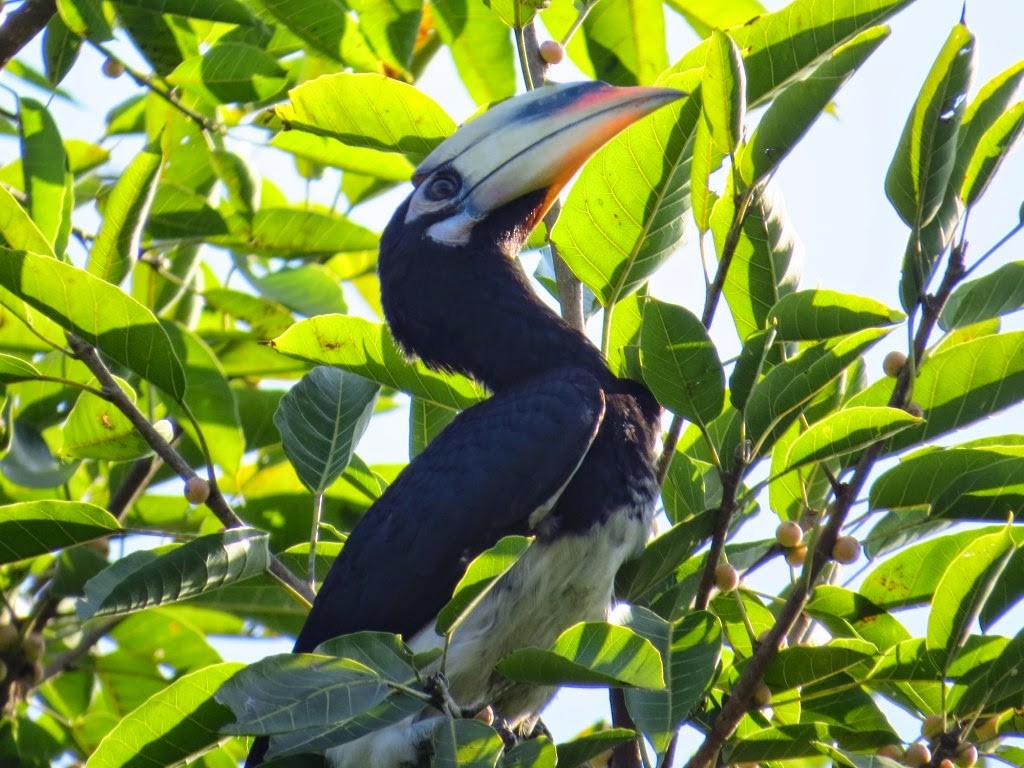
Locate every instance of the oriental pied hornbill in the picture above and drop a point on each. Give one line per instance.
(563, 450)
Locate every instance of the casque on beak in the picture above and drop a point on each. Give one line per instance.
(537, 141)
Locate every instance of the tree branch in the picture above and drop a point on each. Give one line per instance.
(216, 502)
(22, 25)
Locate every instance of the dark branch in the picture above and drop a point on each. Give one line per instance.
(22, 25)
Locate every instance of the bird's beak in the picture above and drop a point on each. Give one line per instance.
(537, 141)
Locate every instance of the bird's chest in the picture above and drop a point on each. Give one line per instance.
(555, 584)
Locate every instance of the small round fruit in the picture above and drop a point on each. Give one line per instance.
(891, 751)
(796, 556)
(846, 550)
(113, 68)
(197, 490)
(33, 646)
(762, 695)
(485, 715)
(789, 534)
(946, 763)
(8, 636)
(3, 670)
(552, 51)
(966, 755)
(932, 726)
(917, 755)
(915, 410)
(727, 578)
(893, 363)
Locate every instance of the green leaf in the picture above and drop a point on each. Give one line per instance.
(367, 349)
(535, 752)
(959, 386)
(848, 614)
(164, 41)
(779, 398)
(461, 743)
(60, 49)
(117, 245)
(816, 314)
(323, 150)
(581, 750)
(178, 722)
(293, 233)
(707, 15)
(964, 588)
(480, 46)
(229, 73)
(588, 654)
(804, 665)
(985, 109)
(480, 577)
(227, 11)
(844, 432)
(32, 528)
(780, 46)
(367, 110)
(724, 92)
(624, 216)
(515, 13)
(765, 258)
(310, 702)
(323, 26)
(390, 29)
(86, 19)
(680, 363)
(795, 110)
(705, 160)
(626, 41)
(690, 652)
(17, 228)
(321, 419)
(98, 312)
(912, 575)
(993, 295)
(13, 369)
(309, 289)
(147, 578)
(989, 685)
(663, 555)
(920, 170)
(993, 147)
(95, 429)
(426, 420)
(48, 184)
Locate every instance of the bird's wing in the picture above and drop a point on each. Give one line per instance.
(480, 479)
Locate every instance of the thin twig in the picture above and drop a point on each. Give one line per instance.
(22, 25)
(146, 81)
(216, 502)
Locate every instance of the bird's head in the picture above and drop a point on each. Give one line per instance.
(511, 162)
(450, 293)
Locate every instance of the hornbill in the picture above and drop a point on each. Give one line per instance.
(563, 451)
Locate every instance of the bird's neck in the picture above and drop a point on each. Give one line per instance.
(475, 313)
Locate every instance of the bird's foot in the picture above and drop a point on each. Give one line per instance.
(512, 735)
(437, 684)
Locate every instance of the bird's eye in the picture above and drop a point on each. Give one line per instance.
(443, 186)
